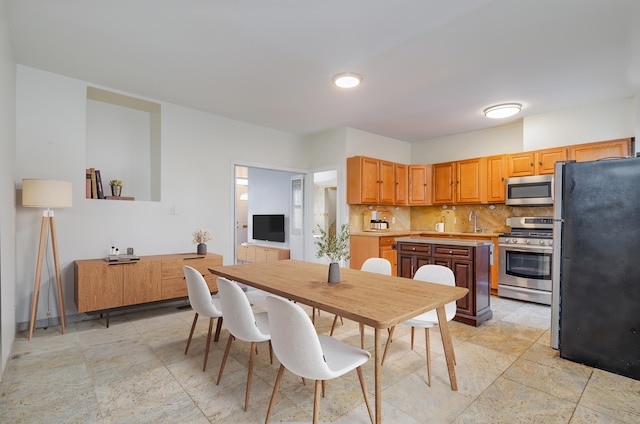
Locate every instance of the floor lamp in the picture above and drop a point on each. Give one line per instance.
(46, 194)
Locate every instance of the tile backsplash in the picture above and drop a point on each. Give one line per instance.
(491, 218)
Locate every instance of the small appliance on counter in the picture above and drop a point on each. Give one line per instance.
(375, 221)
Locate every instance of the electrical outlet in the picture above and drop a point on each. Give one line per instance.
(48, 313)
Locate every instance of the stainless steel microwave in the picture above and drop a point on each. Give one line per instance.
(535, 190)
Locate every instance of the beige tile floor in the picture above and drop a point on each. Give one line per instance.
(136, 372)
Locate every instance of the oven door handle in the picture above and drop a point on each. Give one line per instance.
(532, 249)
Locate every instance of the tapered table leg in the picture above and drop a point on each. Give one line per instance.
(378, 375)
(448, 346)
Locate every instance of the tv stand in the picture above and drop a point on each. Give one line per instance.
(257, 253)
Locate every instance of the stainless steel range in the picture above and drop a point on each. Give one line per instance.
(525, 258)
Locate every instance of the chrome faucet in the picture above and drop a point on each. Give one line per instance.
(475, 221)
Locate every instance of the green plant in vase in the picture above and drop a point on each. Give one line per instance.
(334, 247)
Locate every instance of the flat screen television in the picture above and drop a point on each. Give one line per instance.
(268, 227)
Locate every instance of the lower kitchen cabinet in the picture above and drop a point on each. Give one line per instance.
(469, 262)
(362, 248)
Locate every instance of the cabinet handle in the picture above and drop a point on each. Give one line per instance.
(195, 257)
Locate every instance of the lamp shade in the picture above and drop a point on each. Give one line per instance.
(46, 193)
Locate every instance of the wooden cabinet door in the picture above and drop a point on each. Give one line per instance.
(401, 182)
(391, 255)
(420, 184)
(546, 160)
(405, 265)
(471, 180)
(463, 271)
(601, 150)
(521, 164)
(362, 248)
(443, 183)
(142, 282)
(387, 182)
(496, 178)
(98, 286)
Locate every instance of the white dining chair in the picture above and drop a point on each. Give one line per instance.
(378, 266)
(305, 353)
(242, 324)
(203, 304)
(434, 274)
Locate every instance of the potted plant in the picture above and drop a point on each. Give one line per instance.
(334, 247)
(116, 187)
(200, 237)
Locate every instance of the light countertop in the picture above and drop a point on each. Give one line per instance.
(438, 240)
(417, 233)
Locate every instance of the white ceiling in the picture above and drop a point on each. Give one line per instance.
(430, 66)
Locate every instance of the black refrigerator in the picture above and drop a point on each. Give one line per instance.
(596, 264)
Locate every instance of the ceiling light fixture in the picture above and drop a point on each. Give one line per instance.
(347, 80)
(504, 110)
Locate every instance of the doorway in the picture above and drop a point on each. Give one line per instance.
(325, 208)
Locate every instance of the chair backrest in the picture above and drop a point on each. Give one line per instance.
(377, 265)
(441, 275)
(237, 313)
(199, 294)
(294, 339)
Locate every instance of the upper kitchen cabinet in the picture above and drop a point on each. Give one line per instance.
(537, 162)
(471, 181)
(496, 178)
(605, 149)
(370, 181)
(420, 184)
(460, 182)
(444, 178)
(401, 180)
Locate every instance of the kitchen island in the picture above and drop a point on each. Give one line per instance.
(468, 259)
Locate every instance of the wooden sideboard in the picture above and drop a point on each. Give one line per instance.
(102, 285)
(257, 253)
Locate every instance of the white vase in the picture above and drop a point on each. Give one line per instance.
(334, 272)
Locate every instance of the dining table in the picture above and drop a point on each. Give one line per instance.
(375, 300)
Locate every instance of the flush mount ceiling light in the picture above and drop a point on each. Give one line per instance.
(347, 80)
(504, 110)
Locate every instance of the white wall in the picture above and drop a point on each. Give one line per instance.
(198, 152)
(492, 141)
(585, 124)
(597, 122)
(361, 143)
(7, 192)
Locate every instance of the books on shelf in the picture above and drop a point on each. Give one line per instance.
(95, 187)
(100, 192)
(88, 179)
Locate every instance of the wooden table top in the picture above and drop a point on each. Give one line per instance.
(376, 300)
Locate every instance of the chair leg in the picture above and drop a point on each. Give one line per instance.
(270, 353)
(413, 332)
(274, 395)
(316, 401)
(193, 327)
(249, 375)
(364, 392)
(224, 358)
(386, 346)
(426, 338)
(218, 327)
(333, 326)
(206, 349)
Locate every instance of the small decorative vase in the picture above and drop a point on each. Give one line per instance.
(334, 272)
(116, 190)
(202, 249)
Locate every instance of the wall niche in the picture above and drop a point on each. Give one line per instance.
(123, 142)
